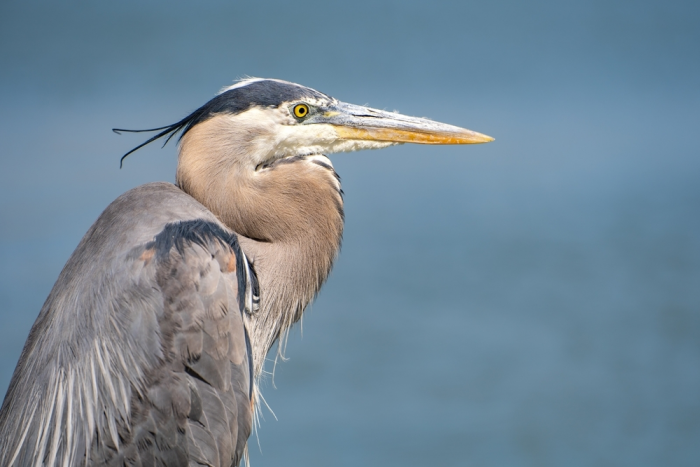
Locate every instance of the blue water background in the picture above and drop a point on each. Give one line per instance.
(531, 302)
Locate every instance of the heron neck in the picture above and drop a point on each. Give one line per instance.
(289, 218)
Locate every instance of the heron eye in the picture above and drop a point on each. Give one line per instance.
(301, 110)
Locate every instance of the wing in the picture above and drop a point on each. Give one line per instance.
(140, 355)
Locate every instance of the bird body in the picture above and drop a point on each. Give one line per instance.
(148, 348)
(153, 345)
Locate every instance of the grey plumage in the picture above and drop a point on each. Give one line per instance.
(151, 365)
(148, 348)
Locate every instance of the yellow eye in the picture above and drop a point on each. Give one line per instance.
(301, 110)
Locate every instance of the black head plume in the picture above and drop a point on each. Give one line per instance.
(170, 129)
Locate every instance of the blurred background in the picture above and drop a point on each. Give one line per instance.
(530, 302)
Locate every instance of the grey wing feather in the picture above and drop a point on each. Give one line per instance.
(140, 354)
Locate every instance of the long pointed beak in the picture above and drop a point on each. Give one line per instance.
(354, 122)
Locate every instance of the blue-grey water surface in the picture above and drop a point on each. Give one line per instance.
(530, 302)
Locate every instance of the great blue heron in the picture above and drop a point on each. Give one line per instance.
(148, 348)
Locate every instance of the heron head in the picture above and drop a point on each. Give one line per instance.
(268, 119)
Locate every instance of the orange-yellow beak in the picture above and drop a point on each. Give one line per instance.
(354, 122)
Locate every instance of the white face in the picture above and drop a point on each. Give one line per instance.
(275, 134)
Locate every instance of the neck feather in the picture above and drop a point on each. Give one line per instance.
(289, 218)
